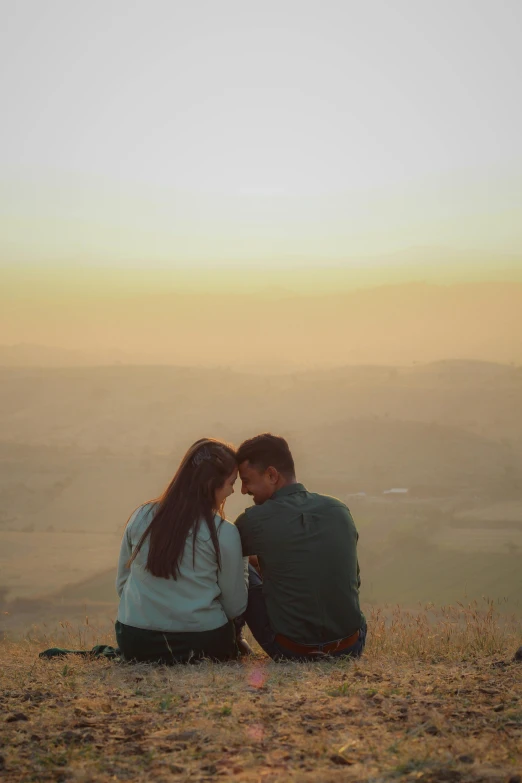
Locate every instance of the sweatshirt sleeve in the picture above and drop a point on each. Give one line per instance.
(231, 575)
(125, 554)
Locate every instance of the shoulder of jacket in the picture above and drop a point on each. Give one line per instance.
(141, 513)
(252, 513)
(225, 528)
(329, 500)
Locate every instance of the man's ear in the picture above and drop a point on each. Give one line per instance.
(273, 475)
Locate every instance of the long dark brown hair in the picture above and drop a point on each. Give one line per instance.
(188, 499)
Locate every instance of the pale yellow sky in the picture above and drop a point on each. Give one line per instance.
(238, 183)
(179, 135)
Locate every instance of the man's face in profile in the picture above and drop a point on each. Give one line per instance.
(258, 483)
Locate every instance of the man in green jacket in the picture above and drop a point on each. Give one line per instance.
(306, 605)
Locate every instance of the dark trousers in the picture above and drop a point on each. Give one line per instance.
(256, 617)
(145, 646)
(140, 645)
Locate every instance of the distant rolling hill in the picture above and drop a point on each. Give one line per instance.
(405, 574)
(35, 355)
(54, 489)
(136, 410)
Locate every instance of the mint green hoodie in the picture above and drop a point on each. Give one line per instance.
(202, 597)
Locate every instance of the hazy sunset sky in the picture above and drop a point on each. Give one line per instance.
(167, 135)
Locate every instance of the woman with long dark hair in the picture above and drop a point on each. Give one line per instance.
(181, 574)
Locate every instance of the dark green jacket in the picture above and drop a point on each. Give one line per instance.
(307, 549)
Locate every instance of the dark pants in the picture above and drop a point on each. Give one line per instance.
(145, 646)
(256, 617)
(139, 645)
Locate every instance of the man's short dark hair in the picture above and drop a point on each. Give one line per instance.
(266, 451)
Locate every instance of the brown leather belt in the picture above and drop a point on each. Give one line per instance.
(311, 649)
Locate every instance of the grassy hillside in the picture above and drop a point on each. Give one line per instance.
(433, 699)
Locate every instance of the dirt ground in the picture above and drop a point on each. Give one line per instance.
(422, 704)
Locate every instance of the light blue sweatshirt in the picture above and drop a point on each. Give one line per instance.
(202, 597)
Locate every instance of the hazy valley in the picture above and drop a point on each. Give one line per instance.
(82, 447)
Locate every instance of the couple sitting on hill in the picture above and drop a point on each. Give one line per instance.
(185, 582)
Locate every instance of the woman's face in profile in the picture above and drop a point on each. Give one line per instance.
(227, 489)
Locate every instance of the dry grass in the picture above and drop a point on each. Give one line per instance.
(436, 697)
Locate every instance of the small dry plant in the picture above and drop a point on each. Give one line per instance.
(448, 633)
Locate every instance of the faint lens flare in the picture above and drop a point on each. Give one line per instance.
(257, 677)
